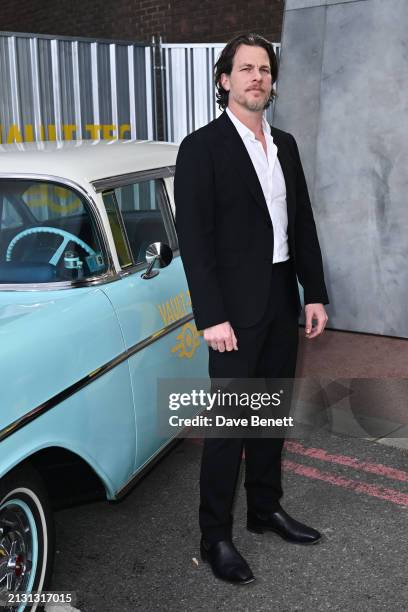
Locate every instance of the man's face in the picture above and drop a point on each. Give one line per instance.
(250, 81)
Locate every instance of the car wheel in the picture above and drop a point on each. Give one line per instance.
(26, 534)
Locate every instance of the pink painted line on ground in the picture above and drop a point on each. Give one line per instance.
(391, 495)
(322, 455)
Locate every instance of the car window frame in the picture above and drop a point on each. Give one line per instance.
(108, 186)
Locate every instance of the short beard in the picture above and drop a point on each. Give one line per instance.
(255, 106)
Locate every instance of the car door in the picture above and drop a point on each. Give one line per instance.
(55, 362)
(155, 314)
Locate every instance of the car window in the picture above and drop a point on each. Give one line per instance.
(118, 233)
(9, 216)
(146, 217)
(46, 234)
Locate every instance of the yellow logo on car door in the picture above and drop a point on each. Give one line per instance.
(188, 338)
(188, 341)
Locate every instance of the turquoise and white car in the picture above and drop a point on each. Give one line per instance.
(94, 308)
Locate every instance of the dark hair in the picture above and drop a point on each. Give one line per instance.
(225, 61)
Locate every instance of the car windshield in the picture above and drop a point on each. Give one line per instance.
(47, 234)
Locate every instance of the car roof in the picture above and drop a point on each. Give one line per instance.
(85, 161)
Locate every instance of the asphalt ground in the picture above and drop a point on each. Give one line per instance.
(143, 553)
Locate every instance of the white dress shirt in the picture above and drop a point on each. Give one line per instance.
(272, 181)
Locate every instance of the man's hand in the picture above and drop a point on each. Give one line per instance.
(315, 312)
(221, 337)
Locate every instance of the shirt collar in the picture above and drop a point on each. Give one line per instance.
(243, 130)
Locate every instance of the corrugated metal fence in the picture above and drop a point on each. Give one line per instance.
(187, 71)
(56, 88)
(66, 88)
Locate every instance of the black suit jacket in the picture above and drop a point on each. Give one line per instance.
(225, 231)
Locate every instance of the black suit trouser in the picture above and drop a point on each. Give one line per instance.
(265, 350)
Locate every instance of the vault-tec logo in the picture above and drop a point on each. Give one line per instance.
(188, 340)
(175, 308)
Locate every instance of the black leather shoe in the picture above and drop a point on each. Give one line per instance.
(226, 562)
(280, 522)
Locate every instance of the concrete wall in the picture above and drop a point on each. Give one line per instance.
(343, 95)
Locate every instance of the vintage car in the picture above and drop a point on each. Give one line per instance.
(94, 309)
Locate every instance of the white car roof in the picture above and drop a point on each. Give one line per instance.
(85, 161)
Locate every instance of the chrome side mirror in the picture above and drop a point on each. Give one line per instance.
(157, 254)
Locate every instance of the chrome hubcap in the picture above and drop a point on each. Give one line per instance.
(15, 549)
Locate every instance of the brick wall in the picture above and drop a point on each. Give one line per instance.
(139, 20)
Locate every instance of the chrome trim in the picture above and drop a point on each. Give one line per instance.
(133, 269)
(108, 276)
(169, 205)
(60, 285)
(121, 180)
(159, 334)
(83, 382)
(141, 266)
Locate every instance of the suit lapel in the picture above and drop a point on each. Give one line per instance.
(240, 158)
(288, 169)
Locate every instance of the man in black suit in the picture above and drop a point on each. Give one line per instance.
(246, 231)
